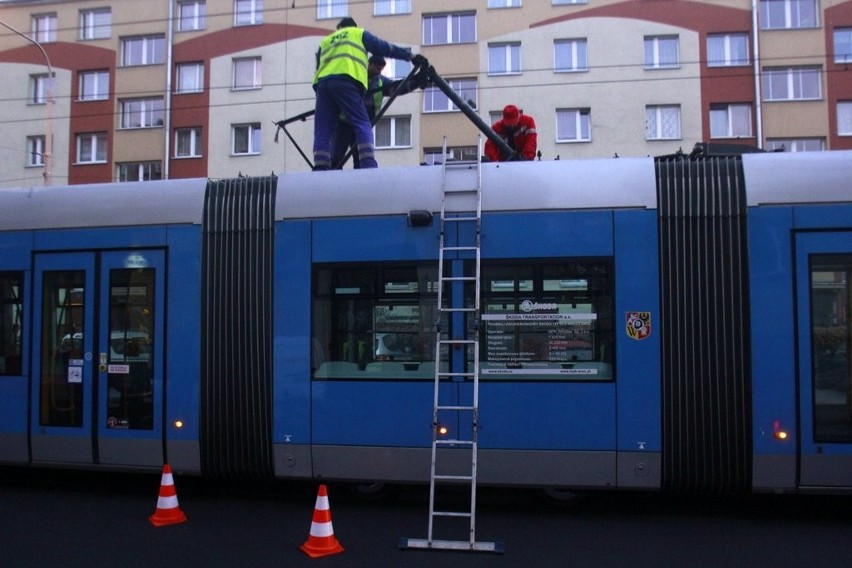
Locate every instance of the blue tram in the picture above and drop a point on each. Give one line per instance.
(678, 324)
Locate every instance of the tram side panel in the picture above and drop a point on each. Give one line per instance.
(576, 405)
(594, 420)
(15, 258)
(183, 349)
(293, 357)
(370, 397)
(773, 367)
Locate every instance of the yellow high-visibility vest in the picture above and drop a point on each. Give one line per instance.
(343, 53)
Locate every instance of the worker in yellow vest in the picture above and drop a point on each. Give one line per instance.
(340, 83)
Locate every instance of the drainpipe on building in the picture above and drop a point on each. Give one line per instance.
(170, 37)
(758, 107)
(48, 109)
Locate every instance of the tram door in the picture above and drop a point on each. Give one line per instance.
(97, 389)
(824, 288)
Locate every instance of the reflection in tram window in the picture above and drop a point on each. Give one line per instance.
(831, 298)
(548, 320)
(11, 317)
(130, 385)
(375, 322)
(61, 381)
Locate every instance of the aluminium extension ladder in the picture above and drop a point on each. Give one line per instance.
(461, 208)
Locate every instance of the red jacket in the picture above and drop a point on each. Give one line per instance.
(525, 139)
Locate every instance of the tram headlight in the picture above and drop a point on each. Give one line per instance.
(778, 432)
(178, 424)
(442, 429)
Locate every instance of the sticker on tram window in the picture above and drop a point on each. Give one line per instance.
(638, 325)
(75, 374)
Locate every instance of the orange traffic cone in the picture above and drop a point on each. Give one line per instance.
(321, 541)
(168, 512)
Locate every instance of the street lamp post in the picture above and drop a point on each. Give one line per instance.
(48, 111)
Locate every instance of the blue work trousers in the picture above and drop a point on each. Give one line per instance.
(336, 95)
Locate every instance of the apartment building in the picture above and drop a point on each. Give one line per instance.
(192, 88)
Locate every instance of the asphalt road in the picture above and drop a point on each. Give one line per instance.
(54, 518)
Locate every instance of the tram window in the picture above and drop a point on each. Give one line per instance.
(11, 318)
(548, 320)
(62, 320)
(831, 340)
(374, 322)
(130, 383)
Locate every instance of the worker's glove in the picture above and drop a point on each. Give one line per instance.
(421, 78)
(420, 61)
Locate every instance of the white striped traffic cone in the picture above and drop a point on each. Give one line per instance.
(168, 512)
(321, 541)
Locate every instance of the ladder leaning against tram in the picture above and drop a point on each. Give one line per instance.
(461, 208)
(454, 460)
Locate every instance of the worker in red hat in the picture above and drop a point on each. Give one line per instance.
(518, 130)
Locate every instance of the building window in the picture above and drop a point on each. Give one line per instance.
(730, 121)
(570, 55)
(397, 69)
(248, 12)
(94, 85)
(788, 14)
(792, 84)
(192, 15)
(727, 50)
(795, 144)
(391, 7)
(574, 125)
(504, 58)
(662, 122)
(393, 132)
(35, 151)
(38, 89)
(442, 29)
(142, 113)
(247, 73)
(188, 142)
(332, 9)
(844, 118)
(189, 77)
(92, 148)
(245, 139)
(504, 3)
(44, 28)
(139, 171)
(661, 52)
(843, 45)
(95, 24)
(434, 100)
(433, 156)
(148, 50)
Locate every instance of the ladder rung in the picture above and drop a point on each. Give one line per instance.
(448, 374)
(454, 442)
(458, 309)
(453, 477)
(462, 248)
(458, 278)
(460, 219)
(451, 514)
(457, 341)
(461, 190)
(455, 407)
